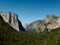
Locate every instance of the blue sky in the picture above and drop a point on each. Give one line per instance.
(31, 10)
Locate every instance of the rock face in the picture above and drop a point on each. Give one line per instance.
(54, 22)
(33, 27)
(12, 20)
(50, 23)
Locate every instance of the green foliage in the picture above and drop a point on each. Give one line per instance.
(9, 36)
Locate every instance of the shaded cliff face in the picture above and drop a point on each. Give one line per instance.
(50, 23)
(1, 19)
(12, 20)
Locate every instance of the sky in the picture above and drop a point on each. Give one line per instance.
(31, 10)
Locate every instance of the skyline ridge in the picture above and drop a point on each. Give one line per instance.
(31, 10)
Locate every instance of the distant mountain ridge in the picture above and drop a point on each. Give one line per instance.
(51, 22)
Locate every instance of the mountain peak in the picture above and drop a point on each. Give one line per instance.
(12, 19)
(51, 22)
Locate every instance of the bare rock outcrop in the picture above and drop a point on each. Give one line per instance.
(12, 20)
(54, 22)
(51, 22)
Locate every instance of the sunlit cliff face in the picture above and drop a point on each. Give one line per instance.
(11, 19)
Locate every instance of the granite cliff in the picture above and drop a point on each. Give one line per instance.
(12, 20)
